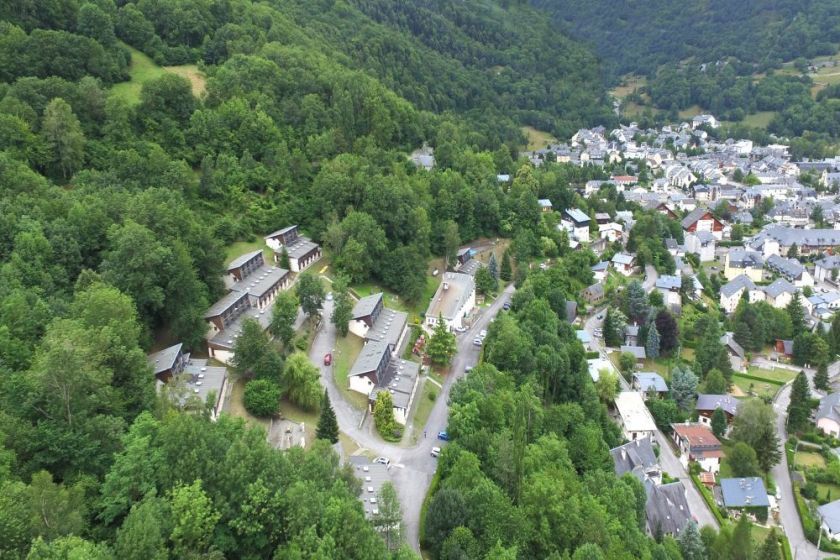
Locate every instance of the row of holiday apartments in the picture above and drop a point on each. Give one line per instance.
(252, 286)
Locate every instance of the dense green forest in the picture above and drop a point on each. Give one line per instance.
(116, 209)
(639, 37)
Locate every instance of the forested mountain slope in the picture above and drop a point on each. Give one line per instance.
(638, 37)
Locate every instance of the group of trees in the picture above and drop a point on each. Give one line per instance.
(658, 331)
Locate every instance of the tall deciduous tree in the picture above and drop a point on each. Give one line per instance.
(743, 460)
(327, 423)
(389, 519)
(441, 345)
(343, 306)
(63, 138)
(194, 519)
(283, 316)
(310, 293)
(715, 383)
(301, 381)
(755, 425)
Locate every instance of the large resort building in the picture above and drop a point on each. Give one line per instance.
(453, 300)
(301, 250)
(190, 382)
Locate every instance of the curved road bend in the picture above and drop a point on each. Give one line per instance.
(412, 468)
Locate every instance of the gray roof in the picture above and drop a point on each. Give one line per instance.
(744, 492)
(779, 286)
(704, 237)
(636, 457)
(829, 262)
(399, 380)
(300, 247)
(637, 351)
(365, 306)
(789, 268)
(226, 302)
(600, 266)
(743, 258)
(369, 358)
(388, 327)
(544, 203)
(667, 282)
(647, 380)
(242, 259)
(577, 216)
(728, 340)
(711, 402)
(631, 330)
(623, 258)
(280, 232)
(197, 381)
(787, 236)
(741, 281)
(830, 515)
(829, 407)
(227, 338)
(666, 508)
(571, 310)
(259, 282)
(164, 359)
(596, 289)
(447, 302)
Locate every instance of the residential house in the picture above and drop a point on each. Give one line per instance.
(702, 244)
(576, 222)
(637, 351)
(827, 416)
(705, 120)
(301, 250)
(830, 179)
(631, 335)
(624, 263)
(736, 351)
(647, 381)
(545, 205)
(826, 269)
(697, 443)
(602, 218)
(779, 293)
(423, 157)
(611, 231)
(791, 269)
(701, 219)
(744, 494)
(669, 287)
(453, 300)
(585, 338)
(707, 404)
(594, 294)
(637, 458)
(731, 292)
(784, 347)
(830, 519)
(634, 417)
(666, 509)
(190, 383)
(743, 261)
(624, 180)
(599, 270)
(401, 382)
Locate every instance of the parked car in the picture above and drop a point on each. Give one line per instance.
(382, 461)
(506, 306)
(435, 451)
(443, 436)
(483, 333)
(477, 342)
(460, 329)
(327, 359)
(600, 316)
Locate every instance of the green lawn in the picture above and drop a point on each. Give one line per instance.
(760, 119)
(394, 301)
(346, 351)
(143, 69)
(537, 139)
(778, 375)
(239, 248)
(827, 491)
(422, 409)
(810, 459)
(762, 389)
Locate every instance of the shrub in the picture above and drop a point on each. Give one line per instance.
(262, 398)
(432, 396)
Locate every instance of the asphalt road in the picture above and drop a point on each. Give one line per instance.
(668, 460)
(412, 468)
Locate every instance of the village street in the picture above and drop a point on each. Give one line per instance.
(412, 468)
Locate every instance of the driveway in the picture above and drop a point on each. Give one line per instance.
(412, 468)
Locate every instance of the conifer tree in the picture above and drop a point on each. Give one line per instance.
(506, 272)
(821, 377)
(327, 424)
(799, 408)
(493, 267)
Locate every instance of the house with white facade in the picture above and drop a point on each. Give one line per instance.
(301, 250)
(624, 263)
(634, 417)
(743, 261)
(576, 222)
(697, 443)
(453, 300)
(669, 287)
(702, 244)
(779, 293)
(731, 292)
(827, 416)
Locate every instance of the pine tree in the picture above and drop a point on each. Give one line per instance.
(797, 314)
(637, 302)
(821, 377)
(493, 267)
(799, 408)
(691, 545)
(652, 343)
(327, 424)
(343, 309)
(719, 422)
(441, 344)
(506, 272)
(834, 333)
(770, 549)
(742, 544)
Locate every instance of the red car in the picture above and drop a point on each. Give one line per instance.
(327, 359)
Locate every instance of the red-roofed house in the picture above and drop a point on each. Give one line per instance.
(697, 443)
